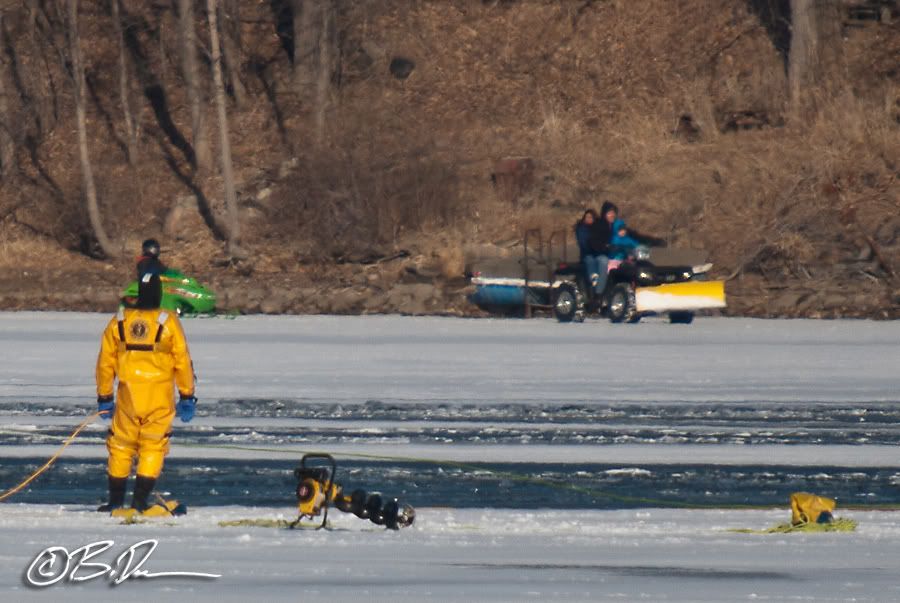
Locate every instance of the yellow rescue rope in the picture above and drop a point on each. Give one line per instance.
(840, 524)
(52, 459)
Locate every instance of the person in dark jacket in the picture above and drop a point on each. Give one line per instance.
(148, 261)
(583, 232)
(609, 212)
(593, 242)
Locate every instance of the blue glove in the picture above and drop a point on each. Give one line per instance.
(106, 405)
(185, 408)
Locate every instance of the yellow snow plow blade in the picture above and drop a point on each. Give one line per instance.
(694, 295)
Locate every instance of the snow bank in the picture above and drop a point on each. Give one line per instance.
(478, 555)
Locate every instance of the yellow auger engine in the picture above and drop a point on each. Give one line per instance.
(317, 490)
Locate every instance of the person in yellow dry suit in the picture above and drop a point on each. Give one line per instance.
(146, 349)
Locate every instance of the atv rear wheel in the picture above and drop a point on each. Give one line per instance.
(565, 303)
(681, 318)
(621, 306)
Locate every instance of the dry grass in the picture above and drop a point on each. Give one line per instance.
(767, 202)
(361, 196)
(593, 94)
(20, 249)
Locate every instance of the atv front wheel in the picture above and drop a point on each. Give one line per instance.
(622, 306)
(565, 305)
(681, 318)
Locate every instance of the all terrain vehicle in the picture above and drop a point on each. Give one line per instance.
(649, 281)
(635, 287)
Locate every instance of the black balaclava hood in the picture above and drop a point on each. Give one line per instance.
(150, 248)
(149, 291)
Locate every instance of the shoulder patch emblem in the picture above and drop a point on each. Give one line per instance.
(138, 329)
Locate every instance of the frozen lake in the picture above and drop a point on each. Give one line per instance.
(534, 450)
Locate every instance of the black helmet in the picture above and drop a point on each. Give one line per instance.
(150, 248)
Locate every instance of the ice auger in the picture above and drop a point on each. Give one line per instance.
(317, 490)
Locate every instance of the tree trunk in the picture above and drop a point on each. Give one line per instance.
(325, 68)
(815, 66)
(231, 47)
(306, 37)
(163, 30)
(234, 223)
(131, 132)
(189, 65)
(90, 191)
(39, 85)
(7, 146)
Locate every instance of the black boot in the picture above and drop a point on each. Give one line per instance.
(116, 494)
(143, 486)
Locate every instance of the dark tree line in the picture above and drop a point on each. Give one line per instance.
(39, 39)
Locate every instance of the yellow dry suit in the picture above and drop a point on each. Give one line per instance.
(147, 351)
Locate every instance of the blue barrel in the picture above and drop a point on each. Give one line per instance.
(498, 295)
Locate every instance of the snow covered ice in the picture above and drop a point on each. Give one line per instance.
(760, 405)
(51, 357)
(478, 555)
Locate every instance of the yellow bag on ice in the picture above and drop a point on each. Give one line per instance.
(809, 513)
(809, 508)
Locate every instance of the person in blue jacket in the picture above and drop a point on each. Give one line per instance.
(622, 242)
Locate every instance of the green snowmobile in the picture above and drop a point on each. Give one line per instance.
(181, 294)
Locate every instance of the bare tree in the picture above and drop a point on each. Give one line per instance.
(163, 33)
(131, 125)
(189, 66)
(815, 66)
(7, 146)
(234, 223)
(231, 49)
(306, 39)
(90, 191)
(39, 83)
(325, 67)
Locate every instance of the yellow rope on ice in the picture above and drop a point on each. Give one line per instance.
(267, 523)
(838, 525)
(52, 459)
(255, 523)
